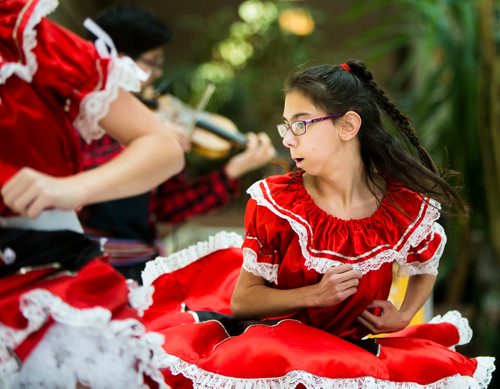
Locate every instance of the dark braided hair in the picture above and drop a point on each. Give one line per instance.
(350, 87)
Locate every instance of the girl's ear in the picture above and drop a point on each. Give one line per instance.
(350, 124)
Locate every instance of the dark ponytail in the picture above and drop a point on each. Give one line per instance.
(351, 87)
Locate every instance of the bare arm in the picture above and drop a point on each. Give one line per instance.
(152, 155)
(391, 319)
(252, 299)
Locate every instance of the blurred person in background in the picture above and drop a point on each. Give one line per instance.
(130, 225)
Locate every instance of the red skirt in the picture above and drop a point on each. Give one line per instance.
(289, 353)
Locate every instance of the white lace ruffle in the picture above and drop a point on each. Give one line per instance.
(461, 323)
(140, 297)
(27, 70)
(106, 358)
(484, 371)
(95, 105)
(106, 338)
(203, 379)
(314, 259)
(266, 270)
(428, 226)
(180, 259)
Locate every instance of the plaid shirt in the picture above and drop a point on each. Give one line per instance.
(177, 199)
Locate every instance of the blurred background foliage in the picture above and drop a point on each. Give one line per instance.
(439, 60)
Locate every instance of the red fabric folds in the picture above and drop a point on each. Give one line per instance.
(295, 353)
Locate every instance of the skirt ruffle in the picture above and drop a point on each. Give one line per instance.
(291, 354)
(57, 328)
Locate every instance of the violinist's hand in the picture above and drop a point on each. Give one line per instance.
(390, 319)
(259, 152)
(337, 284)
(29, 192)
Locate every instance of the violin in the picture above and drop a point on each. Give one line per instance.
(212, 136)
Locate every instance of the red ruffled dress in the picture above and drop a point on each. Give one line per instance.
(290, 242)
(58, 327)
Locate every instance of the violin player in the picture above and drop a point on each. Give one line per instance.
(129, 225)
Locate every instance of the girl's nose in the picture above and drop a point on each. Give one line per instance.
(289, 140)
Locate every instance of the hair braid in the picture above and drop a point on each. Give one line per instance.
(402, 122)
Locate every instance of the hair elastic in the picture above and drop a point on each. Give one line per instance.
(345, 67)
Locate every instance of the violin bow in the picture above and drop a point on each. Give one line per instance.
(200, 108)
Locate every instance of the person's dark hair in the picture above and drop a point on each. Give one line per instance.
(350, 87)
(134, 29)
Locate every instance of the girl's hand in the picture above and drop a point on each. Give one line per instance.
(390, 319)
(30, 192)
(337, 284)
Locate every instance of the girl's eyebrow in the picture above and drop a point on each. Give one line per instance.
(295, 116)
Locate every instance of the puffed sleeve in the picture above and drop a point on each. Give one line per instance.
(259, 254)
(85, 82)
(424, 257)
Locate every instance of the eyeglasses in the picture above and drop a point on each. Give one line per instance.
(155, 63)
(299, 127)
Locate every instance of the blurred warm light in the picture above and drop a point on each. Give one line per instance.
(214, 72)
(235, 52)
(258, 15)
(297, 21)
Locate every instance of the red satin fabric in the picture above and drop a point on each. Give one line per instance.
(188, 286)
(423, 361)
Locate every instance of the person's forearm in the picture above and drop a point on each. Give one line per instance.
(145, 163)
(260, 301)
(417, 292)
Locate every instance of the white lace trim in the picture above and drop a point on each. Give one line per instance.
(484, 371)
(461, 323)
(428, 267)
(313, 259)
(183, 258)
(266, 270)
(95, 105)
(27, 70)
(140, 297)
(39, 305)
(203, 379)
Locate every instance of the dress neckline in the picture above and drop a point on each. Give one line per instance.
(298, 176)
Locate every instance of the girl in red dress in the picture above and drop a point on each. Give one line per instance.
(65, 315)
(317, 261)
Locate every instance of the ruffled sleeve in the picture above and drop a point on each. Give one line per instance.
(86, 82)
(262, 236)
(424, 257)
